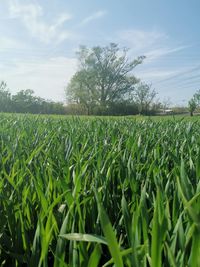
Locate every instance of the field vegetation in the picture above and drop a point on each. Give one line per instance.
(99, 191)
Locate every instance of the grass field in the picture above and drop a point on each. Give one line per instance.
(99, 191)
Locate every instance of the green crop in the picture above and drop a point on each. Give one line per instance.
(81, 192)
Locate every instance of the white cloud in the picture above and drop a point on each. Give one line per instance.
(62, 19)
(174, 82)
(155, 74)
(156, 46)
(142, 40)
(47, 78)
(164, 51)
(7, 43)
(167, 76)
(94, 16)
(26, 10)
(32, 15)
(153, 44)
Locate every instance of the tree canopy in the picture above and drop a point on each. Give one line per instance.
(104, 77)
(24, 101)
(144, 97)
(194, 102)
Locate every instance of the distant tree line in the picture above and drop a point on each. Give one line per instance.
(25, 101)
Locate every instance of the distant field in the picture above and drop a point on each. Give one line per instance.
(100, 191)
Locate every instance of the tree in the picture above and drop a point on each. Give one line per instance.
(104, 77)
(192, 105)
(5, 98)
(194, 102)
(24, 100)
(166, 103)
(197, 97)
(144, 97)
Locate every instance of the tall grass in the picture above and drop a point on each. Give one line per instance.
(99, 192)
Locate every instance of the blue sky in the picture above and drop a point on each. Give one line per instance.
(38, 40)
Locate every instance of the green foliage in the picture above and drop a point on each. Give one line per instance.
(99, 192)
(25, 101)
(144, 97)
(194, 102)
(104, 77)
(192, 105)
(5, 97)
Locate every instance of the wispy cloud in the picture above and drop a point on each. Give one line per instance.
(32, 16)
(153, 44)
(30, 10)
(163, 51)
(47, 77)
(156, 46)
(142, 40)
(156, 74)
(7, 43)
(97, 15)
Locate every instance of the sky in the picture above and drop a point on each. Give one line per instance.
(39, 40)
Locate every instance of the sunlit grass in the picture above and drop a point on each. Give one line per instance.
(99, 191)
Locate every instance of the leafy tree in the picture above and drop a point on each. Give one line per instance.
(24, 101)
(197, 97)
(104, 77)
(144, 97)
(192, 104)
(5, 98)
